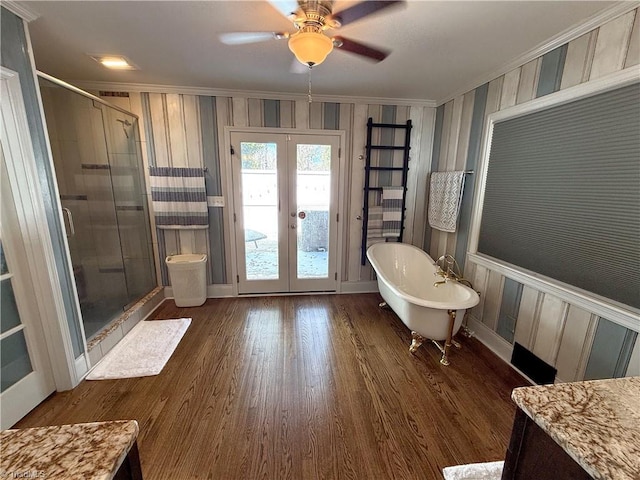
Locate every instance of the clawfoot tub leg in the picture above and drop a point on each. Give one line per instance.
(383, 305)
(416, 342)
(444, 360)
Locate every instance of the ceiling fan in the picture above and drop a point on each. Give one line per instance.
(312, 18)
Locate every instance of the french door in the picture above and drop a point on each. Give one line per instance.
(285, 211)
(26, 376)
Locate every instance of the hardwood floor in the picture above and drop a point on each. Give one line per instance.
(303, 387)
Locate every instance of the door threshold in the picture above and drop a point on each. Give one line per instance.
(288, 294)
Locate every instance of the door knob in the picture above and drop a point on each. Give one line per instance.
(293, 226)
(293, 214)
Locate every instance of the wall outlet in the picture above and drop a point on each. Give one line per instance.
(215, 201)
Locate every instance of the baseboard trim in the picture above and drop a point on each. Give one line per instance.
(226, 290)
(213, 291)
(359, 287)
(220, 291)
(491, 339)
(495, 343)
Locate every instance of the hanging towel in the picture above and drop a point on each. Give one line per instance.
(392, 211)
(445, 197)
(179, 197)
(374, 222)
(374, 226)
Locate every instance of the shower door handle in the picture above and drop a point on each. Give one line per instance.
(70, 218)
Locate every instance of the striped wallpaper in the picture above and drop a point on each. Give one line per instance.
(184, 131)
(563, 335)
(459, 122)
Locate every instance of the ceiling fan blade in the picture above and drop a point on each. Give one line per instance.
(360, 49)
(362, 9)
(240, 38)
(288, 8)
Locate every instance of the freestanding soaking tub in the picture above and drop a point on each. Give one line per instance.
(409, 283)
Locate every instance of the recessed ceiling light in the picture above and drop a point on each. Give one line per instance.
(114, 62)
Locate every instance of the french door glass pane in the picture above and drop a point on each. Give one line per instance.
(313, 197)
(9, 317)
(260, 209)
(3, 262)
(15, 360)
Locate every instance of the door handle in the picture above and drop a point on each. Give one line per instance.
(293, 226)
(70, 219)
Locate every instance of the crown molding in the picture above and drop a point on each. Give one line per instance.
(21, 10)
(218, 92)
(595, 21)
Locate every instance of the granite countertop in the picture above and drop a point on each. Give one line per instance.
(83, 450)
(596, 422)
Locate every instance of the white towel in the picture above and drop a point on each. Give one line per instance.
(445, 198)
(179, 197)
(474, 471)
(392, 211)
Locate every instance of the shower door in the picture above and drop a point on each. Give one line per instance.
(96, 153)
(130, 201)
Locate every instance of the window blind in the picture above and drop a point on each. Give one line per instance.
(562, 195)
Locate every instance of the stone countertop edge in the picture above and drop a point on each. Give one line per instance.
(89, 450)
(597, 422)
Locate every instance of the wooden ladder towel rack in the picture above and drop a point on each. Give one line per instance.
(405, 148)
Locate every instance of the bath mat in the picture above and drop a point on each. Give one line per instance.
(474, 471)
(143, 352)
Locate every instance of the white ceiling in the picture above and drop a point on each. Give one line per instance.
(438, 48)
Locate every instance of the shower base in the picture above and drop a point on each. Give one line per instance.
(108, 337)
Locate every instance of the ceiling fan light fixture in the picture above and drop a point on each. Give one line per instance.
(310, 48)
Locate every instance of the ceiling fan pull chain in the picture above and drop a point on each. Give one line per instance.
(310, 100)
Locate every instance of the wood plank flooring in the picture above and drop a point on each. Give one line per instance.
(303, 387)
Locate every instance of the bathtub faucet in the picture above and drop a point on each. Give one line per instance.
(448, 269)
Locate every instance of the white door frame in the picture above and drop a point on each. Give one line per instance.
(23, 176)
(229, 193)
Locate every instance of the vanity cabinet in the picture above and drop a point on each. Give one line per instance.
(576, 431)
(534, 454)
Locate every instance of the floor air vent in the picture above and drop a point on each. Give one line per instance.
(533, 367)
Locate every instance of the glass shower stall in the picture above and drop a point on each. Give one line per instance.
(99, 170)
